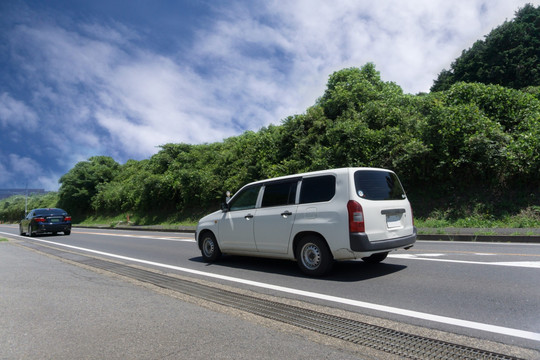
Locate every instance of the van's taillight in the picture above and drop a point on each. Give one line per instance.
(39, 219)
(356, 217)
(67, 218)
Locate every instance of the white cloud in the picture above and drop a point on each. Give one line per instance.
(19, 171)
(15, 112)
(23, 165)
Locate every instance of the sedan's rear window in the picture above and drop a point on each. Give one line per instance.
(50, 212)
(378, 185)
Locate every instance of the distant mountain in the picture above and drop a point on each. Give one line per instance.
(5, 193)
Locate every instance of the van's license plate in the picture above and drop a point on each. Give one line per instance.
(393, 220)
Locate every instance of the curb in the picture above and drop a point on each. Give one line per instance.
(187, 229)
(532, 239)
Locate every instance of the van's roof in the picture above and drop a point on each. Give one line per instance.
(319, 172)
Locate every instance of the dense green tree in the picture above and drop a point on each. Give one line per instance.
(509, 55)
(471, 136)
(12, 208)
(80, 184)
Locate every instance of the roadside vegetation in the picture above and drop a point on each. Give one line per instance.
(468, 152)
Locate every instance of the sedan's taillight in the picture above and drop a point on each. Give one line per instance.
(356, 217)
(67, 218)
(39, 219)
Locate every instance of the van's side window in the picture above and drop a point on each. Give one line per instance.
(281, 193)
(247, 199)
(317, 189)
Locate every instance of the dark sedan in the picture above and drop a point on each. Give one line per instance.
(39, 221)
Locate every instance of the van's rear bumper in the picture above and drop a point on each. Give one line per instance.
(360, 242)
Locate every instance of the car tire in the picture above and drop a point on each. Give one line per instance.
(29, 232)
(67, 232)
(313, 256)
(209, 247)
(375, 258)
(21, 232)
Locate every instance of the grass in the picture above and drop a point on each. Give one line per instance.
(439, 220)
(3, 239)
(518, 221)
(526, 218)
(145, 220)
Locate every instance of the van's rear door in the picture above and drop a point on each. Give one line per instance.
(387, 212)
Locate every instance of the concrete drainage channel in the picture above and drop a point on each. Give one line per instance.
(383, 339)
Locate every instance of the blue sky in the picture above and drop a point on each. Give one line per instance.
(119, 78)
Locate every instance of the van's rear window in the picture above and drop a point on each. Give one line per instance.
(378, 185)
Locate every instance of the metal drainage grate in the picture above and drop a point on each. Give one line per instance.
(376, 337)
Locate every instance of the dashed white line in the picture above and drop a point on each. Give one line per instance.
(525, 264)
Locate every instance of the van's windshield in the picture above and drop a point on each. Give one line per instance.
(378, 185)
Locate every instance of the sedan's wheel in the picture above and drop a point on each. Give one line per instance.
(209, 248)
(375, 258)
(29, 232)
(21, 232)
(313, 256)
(67, 232)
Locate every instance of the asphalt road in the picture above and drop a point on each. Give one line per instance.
(485, 290)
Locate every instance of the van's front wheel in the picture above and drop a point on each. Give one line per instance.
(313, 256)
(209, 248)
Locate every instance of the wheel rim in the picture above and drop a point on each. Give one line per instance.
(208, 247)
(311, 256)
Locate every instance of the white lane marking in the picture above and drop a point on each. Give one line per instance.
(431, 255)
(360, 304)
(525, 264)
(167, 238)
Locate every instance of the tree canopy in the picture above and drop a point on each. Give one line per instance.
(469, 137)
(508, 56)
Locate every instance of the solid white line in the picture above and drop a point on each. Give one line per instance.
(361, 304)
(185, 239)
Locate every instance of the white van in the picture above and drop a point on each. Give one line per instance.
(313, 218)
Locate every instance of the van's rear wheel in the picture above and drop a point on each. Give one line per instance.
(375, 258)
(209, 248)
(313, 256)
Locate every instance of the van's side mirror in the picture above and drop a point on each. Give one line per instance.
(225, 207)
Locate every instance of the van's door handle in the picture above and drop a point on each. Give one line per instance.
(248, 217)
(286, 213)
